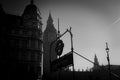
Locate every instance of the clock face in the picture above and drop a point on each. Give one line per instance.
(51, 37)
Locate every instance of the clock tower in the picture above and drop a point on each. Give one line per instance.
(50, 34)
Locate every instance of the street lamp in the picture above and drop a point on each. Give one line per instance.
(108, 59)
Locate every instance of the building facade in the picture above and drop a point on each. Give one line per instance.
(21, 43)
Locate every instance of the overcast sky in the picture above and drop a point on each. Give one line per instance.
(93, 22)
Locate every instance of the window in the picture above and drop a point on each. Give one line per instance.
(24, 32)
(24, 55)
(39, 44)
(19, 55)
(36, 34)
(16, 31)
(16, 42)
(29, 55)
(33, 56)
(39, 25)
(29, 33)
(39, 58)
(33, 43)
(34, 24)
(20, 43)
(24, 43)
(32, 32)
(13, 31)
(29, 44)
(36, 44)
(36, 57)
(20, 32)
(12, 42)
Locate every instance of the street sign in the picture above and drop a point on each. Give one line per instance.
(62, 62)
(59, 47)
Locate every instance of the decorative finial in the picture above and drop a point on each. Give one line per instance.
(32, 1)
(58, 28)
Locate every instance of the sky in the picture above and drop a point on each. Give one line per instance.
(93, 22)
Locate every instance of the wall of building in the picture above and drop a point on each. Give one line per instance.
(21, 46)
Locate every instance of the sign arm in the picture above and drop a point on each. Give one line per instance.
(53, 43)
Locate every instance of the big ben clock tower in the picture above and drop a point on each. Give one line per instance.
(50, 34)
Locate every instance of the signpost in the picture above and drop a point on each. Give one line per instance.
(65, 60)
(62, 62)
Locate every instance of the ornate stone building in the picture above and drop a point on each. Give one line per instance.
(21, 44)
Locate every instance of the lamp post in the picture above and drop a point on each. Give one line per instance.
(72, 49)
(108, 59)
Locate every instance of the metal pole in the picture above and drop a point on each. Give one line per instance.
(59, 73)
(108, 59)
(58, 28)
(71, 35)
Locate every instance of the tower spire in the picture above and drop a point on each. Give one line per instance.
(96, 60)
(96, 63)
(50, 20)
(50, 14)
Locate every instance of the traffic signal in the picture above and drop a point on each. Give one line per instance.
(59, 47)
